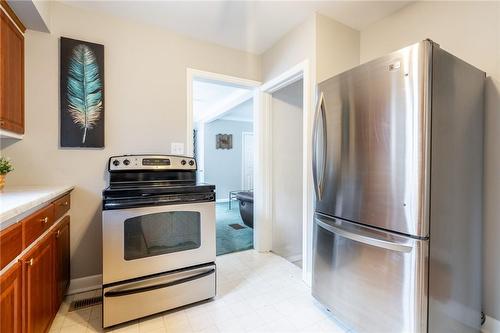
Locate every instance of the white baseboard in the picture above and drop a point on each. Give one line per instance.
(294, 258)
(83, 284)
(491, 325)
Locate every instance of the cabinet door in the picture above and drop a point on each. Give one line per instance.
(38, 285)
(62, 253)
(11, 76)
(11, 300)
(11, 244)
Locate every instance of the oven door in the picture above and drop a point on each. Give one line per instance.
(148, 240)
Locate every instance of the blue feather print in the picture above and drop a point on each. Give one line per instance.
(84, 89)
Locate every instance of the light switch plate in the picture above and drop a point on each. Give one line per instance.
(177, 148)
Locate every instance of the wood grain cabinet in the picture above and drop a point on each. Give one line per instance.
(36, 275)
(11, 299)
(61, 261)
(11, 71)
(38, 286)
(10, 244)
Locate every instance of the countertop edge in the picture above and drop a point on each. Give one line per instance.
(18, 213)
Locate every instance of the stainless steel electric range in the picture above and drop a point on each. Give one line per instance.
(158, 232)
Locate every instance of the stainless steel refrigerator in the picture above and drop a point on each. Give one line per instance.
(398, 172)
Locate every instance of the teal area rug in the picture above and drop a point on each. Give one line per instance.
(230, 239)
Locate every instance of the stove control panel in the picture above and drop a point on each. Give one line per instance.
(151, 162)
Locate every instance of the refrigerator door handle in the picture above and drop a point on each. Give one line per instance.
(319, 179)
(367, 236)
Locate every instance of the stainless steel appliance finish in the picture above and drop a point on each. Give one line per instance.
(158, 232)
(143, 297)
(374, 147)
(151, 162)
(398, 150)
(369, 277)
(116, 240)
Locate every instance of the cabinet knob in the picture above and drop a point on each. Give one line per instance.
(45, 219)
(58, 233)
(64, 204)
(30, 262)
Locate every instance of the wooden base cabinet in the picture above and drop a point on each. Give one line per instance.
(34, 283)
(11, 299)
(38, 286)
(61, 262)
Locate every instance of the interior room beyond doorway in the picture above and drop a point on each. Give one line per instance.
(223, 148)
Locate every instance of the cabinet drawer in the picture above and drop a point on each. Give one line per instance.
(10, 244)
(61, 206)
(37, 224)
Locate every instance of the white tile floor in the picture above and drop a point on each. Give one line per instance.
(257, 292)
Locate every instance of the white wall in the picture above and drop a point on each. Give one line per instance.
(223, 166)
(340, 45)
(471, 31)
(145, 86)
(337, 48)
(296, 46)
(287, 170)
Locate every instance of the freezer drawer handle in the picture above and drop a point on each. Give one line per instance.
(158, 286)
(382, 243)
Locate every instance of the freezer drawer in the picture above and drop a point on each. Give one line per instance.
(143, 297)
(371, 280)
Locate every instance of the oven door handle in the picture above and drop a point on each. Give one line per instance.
(125, 292)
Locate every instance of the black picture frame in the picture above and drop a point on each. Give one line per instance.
(81, 74)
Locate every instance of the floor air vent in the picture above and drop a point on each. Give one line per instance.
(236, 226)
(84, 303)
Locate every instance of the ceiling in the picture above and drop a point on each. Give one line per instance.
(244, 112)
(252, 26)
(214, 100)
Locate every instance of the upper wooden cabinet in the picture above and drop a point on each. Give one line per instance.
(11, 71)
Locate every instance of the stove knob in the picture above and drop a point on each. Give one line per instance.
(183, 162)
(126, 162)
(116, 163)
(191, 162)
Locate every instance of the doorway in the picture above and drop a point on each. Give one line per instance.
(222, 143)
(287, 171)
(268, 211)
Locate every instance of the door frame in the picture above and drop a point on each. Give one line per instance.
(259, 187)
(243, 142)
(264, 101)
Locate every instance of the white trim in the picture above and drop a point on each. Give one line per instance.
(297, 72)
(262, 172)
(83, 284)
(491, 325)
(192, 74)
(294, 258)
(243, 142)
(238, 119)
(4, 134)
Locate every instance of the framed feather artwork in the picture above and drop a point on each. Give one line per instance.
(82, 94)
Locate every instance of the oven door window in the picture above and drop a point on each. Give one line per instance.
(161, 233)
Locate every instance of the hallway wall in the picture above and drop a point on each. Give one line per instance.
(287, 120)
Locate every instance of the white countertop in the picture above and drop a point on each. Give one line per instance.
(16, 202)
